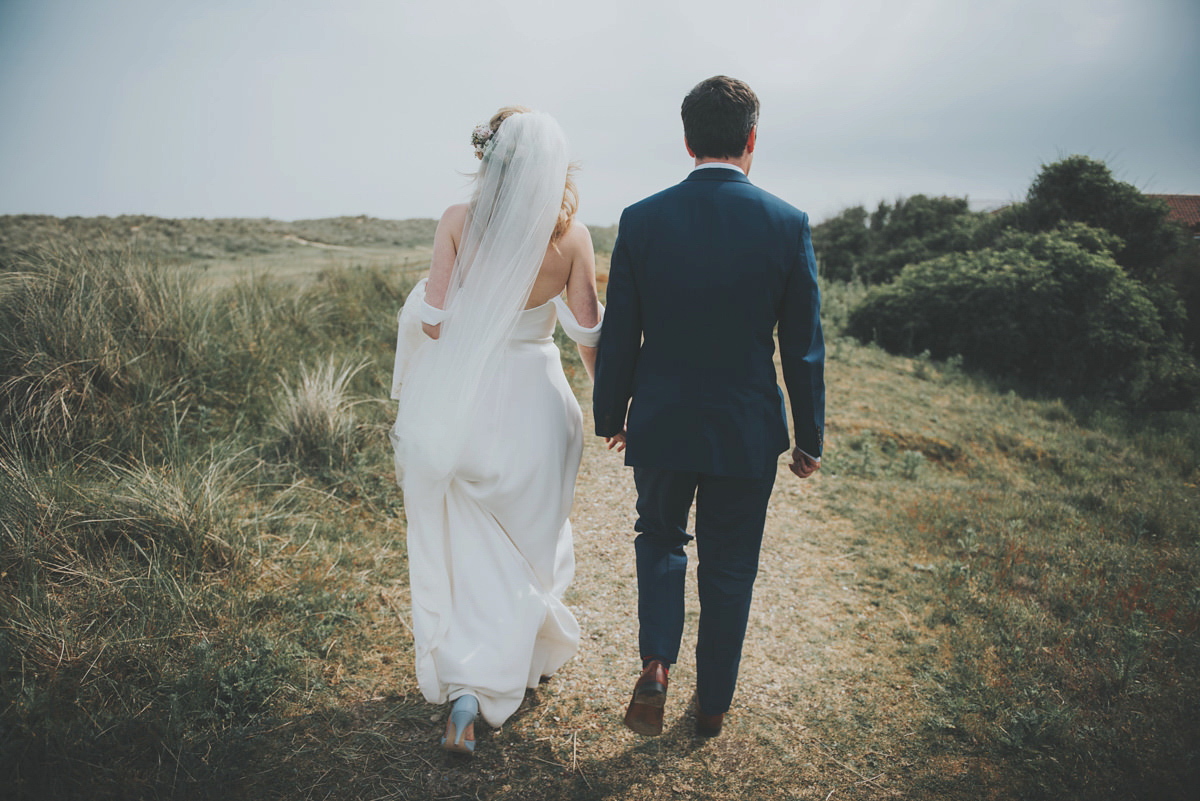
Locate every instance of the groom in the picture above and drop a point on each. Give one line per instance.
(701, 274)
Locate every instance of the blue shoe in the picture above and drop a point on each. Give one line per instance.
(462, 719)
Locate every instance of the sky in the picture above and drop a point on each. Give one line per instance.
(299, 109)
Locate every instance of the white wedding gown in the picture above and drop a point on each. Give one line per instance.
(490, 549)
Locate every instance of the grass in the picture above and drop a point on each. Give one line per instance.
(155, 447)
(203, 240)
(315, 421)
(203, 583)
(1063, 566)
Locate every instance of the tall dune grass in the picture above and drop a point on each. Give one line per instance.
(315, 420)
(93, 346)
(135, 502)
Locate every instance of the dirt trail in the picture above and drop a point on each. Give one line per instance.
(823, 695)
(829, 700)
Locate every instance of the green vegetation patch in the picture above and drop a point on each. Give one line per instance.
(1085, 289)
(158, 444)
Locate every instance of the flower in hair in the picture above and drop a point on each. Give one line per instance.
(481, 138)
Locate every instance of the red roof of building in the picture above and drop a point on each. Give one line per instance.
(1182, 208)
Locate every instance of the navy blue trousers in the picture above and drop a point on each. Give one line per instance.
(730, 515)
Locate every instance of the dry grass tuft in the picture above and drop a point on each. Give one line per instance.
(315, 420)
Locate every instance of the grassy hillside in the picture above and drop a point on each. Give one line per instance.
(203, 582)
(221, 251)
(198, 239)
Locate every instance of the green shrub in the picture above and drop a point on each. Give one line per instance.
(1152, 248)
(1053, 310)
(1082, 189)
(840, 243)
(852, 246)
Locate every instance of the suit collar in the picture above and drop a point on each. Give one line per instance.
(719, 165)
(717, 175)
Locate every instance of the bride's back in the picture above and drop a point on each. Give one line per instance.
(555, 271)
(574, 249)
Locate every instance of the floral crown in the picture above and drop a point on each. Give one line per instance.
(481, 138)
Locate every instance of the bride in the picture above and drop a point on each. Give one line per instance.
(488, 438)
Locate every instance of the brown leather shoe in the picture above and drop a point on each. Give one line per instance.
(709, 725)
(645, 712)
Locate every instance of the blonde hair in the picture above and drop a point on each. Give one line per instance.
(570, 203)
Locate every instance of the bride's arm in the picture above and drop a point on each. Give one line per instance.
(581, 289)
(588, 355)
(445, 249)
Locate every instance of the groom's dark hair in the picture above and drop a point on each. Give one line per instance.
(718, 115)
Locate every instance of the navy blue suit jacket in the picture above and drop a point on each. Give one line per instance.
(701, 274)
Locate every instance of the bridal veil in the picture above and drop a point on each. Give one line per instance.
(512, 214)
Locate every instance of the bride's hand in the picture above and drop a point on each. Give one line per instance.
(617, 441)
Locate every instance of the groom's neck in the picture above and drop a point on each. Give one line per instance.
(742, 162)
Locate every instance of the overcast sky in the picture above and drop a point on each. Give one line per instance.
(250, 108)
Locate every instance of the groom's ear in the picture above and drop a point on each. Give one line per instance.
(689, 148)
(752, 139)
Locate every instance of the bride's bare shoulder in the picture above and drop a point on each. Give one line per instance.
(578, 237)
(455, 215)
(450, 226)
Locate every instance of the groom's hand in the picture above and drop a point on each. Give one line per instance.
(802, 464)
(617, 441)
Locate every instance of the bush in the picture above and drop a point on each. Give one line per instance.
(840, 243)
(1053, 310)
(1082, 189)
(913, 230)
(1152, 248)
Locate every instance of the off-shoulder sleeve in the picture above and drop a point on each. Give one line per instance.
(431, 315)
(409, 334)
(589, 337)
